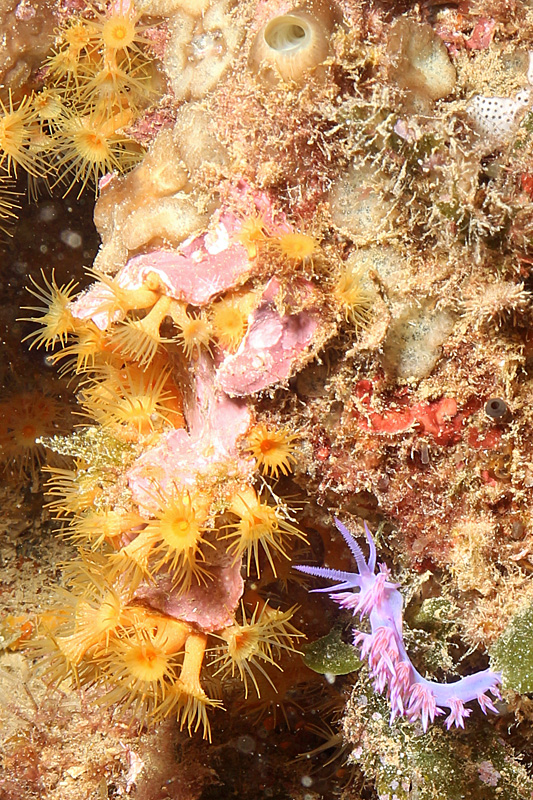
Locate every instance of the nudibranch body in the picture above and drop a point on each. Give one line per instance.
(372, 594)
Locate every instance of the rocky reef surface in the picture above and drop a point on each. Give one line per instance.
(274, 266)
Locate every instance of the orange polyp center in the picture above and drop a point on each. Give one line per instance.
(118, 33)
(29, 432)
(231, 323)
(78, 36)
(146, 663)
(107, 617)
(242, 644)
(96, 147)
(297, 246)
(137, 411)
(180, 527)
(179, 532)
(196, 330)
(259, 522)
(267, 445)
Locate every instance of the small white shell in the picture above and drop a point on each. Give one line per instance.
(497, 118)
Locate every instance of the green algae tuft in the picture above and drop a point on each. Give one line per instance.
(512, 654)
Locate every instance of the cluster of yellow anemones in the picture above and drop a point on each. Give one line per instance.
(105, 635)
(99, 77)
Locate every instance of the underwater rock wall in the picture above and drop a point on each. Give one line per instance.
(312, 298)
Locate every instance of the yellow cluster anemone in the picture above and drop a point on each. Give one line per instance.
(87, 350)
(255, 642)
(126, 386)
(183, 539)
(89, 145)
(260, 527)
(56, 321)
(100, 76)
(140, 338)
(194, 330)
(172, 541)
(95, 527)
(147, 663)
(140, 670)
(119, 31)
(25, 418)
(71, 491)
(272, 448)
(131, 399)
(353, 296)
(252, 233)
(291, 247)
(229, 318)
(178, 530)
(118, 298)
(295, 247)
(19, 135)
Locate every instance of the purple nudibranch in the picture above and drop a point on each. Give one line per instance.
(373, 595)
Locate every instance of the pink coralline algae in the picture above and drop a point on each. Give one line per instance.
(205, 452)
(205, 266)
(210, 606)
(378, 598)
(482, 34)
(273, 343)
(207, 448)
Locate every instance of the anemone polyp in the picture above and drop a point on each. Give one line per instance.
(85, 351)
(25, 417)
(291, 45)
(261, 527)
(273, 449)
(138, 671)
(17, 129)
(129, 400)
(140, 339)
(95, 620)
(256, 642)
(177, 530)
(354, 298)
(119, 28)
(77, 35)
(95, 526)
(229, 318)
(119, 31)
(252, 233)
(56, 318)
(90, 145)
(194, 331)
(296, 247)
(71, 491)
